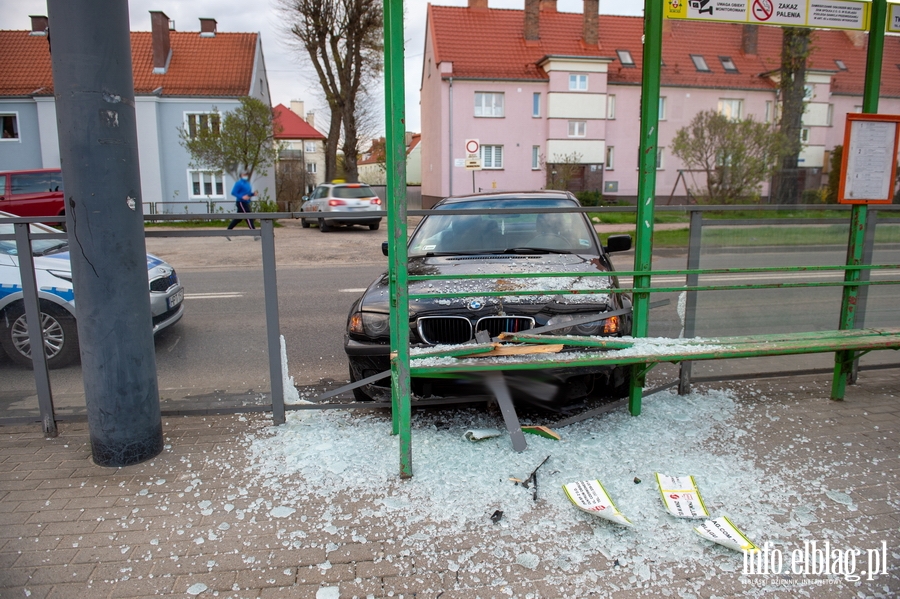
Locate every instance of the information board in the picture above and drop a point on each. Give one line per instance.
(869, 161)
(825, 14)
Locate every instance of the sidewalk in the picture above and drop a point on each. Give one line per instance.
(233, 508)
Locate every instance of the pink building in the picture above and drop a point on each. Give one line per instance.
(548, 93)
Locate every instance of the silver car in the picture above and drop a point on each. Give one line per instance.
(53, 274)
(341, 203)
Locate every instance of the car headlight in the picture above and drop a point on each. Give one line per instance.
(370, 324)
(558, 320)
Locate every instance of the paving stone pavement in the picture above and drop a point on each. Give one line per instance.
(71, 529)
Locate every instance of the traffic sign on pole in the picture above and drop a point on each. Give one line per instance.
(473, 155)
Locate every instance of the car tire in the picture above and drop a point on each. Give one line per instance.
(619, 383)
(323, 227)
(60, 335)
(374, 227)
(304, 223)
(358, 393)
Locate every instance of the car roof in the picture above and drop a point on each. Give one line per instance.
(543, 194)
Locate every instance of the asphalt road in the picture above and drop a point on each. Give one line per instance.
(217, 353)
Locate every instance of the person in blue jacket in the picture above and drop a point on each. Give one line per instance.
(242, 192)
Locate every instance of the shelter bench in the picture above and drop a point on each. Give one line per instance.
(513, 351)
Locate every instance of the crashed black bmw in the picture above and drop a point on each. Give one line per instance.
(457, 242)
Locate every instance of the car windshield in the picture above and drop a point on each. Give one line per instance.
(40, 247)
(461, 233)
(353, 192)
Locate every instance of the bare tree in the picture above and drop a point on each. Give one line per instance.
(795, 50)
(343, 41)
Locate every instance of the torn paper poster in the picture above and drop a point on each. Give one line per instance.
(479, 434)
(591, 497)
(681, 496)
(723, 532)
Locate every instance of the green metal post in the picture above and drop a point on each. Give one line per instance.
(843, 361)
(643, 254)
(395, 118)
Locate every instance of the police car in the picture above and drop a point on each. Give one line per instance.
(53, 274)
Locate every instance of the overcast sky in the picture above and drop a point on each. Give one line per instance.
(289, 78)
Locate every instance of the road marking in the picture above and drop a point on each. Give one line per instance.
(352, 290)
(224, 294)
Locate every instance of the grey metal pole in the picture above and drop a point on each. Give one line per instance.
(273, 328)
(94, 91)
(690, 304)
(35, 334)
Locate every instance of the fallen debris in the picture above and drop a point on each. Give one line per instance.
(497, 516)
(541, 431)
(722, 531)
(531, 480)
(681, 497)
(480, 434)
(591, 497)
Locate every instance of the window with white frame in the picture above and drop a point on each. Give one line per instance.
(662, 108)
(9, 126)
(578, 82)
(489, 104)
(311, 168)
(491, 157)
(625, 58)
(535, 158)
(700, 63)
(611, 107)
(577, 128)
(610, 158)
(207, 184)
(730, 108)
(770, 115)
(309, 147)
(829, 116)
(195, 122)
(659, 158)
(536, 105)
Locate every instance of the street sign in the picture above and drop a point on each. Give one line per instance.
(893, 19)
(830, 14)
(473, 156)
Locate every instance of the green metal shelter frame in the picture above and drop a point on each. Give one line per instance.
(649, 128)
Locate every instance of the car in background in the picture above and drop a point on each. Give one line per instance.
(53, 275)
(454, 241)
(32, 192)
(340, 203)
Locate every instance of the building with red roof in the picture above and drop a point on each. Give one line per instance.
(302, 143)
(181, 80)
(540, 89)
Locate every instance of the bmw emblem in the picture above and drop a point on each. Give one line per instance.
(475, 305)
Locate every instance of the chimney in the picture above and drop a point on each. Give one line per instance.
(162, 50)
(548, 5)
(38, 25)
(207, 27)
(297, 107)
(532, 20)
(857, 38)
(749, 39)
(478, 3)
(589, 27)
(311, 118)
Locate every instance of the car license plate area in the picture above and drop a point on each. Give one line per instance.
(176, 298)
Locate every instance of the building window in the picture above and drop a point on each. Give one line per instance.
(491, 157)
(625, 58)
(730, 108)
(728, 64)
(610, 158)
(611, 107)
(700, 63)
(840, 64)
(310, 147)
(578, 82)
(662, 108)
(311, 168)
(659, 158)
(577, 128)
(535, 158)
(536, 105)
(804, 135)
(488, 104)
(207, 184)
(769, 114)
(10, 126)
(829, 117)
(201, 121)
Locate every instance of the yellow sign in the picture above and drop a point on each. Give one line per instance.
(893, 18)
(822, 14)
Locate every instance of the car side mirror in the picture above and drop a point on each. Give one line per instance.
(384, 248)
(305, 198)
(618, 243)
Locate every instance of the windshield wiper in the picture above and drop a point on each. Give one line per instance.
(53, 249)
(534, 250)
